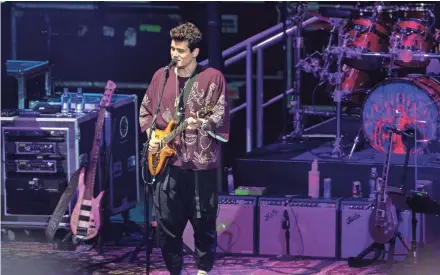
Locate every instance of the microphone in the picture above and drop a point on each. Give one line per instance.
(406, 133)
(172, 63)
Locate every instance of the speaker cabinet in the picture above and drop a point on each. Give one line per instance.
(355, 236)
(313, 226)
(235, 226)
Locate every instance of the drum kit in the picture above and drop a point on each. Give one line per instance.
(395, 42)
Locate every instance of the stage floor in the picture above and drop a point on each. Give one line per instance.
(40, 258)
(30, 254)
(36, 258)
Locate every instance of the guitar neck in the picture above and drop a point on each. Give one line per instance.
(386, 166)
(94, 156)
(179, 129)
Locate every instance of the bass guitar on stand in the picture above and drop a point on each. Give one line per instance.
(85, 221)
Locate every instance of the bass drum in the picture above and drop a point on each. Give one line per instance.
(417, 98)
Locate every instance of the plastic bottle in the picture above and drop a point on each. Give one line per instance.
(65, 101)
(230, 176)
(314, 180)
(372, 183)
(79, 101)
(327, 187)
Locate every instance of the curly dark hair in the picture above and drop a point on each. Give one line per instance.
(187, 32)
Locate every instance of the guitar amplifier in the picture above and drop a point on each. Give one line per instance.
(235, 226)
(313, 226)
(355, 236)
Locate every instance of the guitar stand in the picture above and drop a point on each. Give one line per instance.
(70, 242)
(98, 242)
(379, 249)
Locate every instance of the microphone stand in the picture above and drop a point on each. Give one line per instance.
(285, 224)
(408, 139)
(149, 185)
(337, 151)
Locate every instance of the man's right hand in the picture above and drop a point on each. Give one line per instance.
(153, 146)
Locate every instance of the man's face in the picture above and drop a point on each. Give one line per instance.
(181, 52)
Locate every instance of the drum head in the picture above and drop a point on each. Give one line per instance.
(417, 107)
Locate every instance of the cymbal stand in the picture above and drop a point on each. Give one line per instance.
(337, 151)
(394, 41)
(298, 46)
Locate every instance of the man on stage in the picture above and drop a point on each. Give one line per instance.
(187, 190)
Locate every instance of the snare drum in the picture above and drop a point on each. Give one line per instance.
(367, 34)
(412, 33)
(416, 98)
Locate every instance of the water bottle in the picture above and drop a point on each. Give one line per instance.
(372, 183)
(327, 187)
(79, 101)
(65, 101)
(231, 187)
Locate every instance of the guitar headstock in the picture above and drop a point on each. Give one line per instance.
(106, 99)
(205, 111)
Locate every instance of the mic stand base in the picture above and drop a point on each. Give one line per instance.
(149, 230)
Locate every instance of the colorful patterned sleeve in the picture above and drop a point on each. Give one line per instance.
(146, 109)
(218, 123)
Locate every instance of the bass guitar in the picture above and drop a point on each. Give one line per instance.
(85, 221)
(383, 219)
(158, 161)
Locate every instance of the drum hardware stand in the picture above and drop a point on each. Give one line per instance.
(298, 45)
(393, 53)
(355, 143)
(337, 150)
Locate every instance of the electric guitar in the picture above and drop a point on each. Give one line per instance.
(383, 219)
(158, 161)
(85, 221)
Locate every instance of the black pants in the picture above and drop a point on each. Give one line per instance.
(181, 196)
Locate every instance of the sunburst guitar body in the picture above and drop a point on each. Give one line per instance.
(158, 161)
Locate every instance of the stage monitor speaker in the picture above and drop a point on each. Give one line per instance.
(355, 235)
(235, 226)
(313, 227)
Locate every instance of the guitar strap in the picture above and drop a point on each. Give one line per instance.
(178, 116)
(62, 205)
